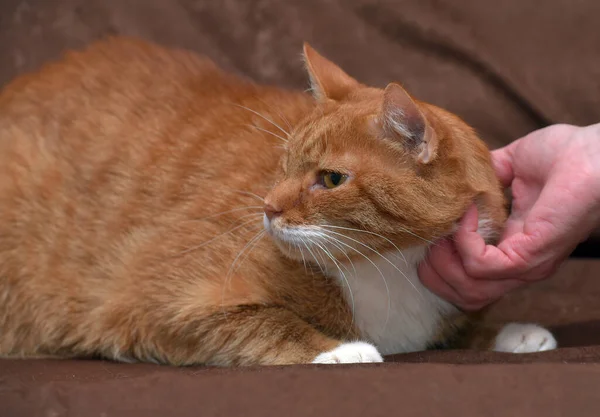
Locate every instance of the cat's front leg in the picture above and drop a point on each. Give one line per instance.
(259, 335)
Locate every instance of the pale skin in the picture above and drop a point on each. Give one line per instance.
(554, 174)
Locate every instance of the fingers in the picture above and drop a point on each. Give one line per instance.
(502, 160)
(443, 274)
(480, 260)
(434, 281)
(446, 267)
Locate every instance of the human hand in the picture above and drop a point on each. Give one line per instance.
(555, 178)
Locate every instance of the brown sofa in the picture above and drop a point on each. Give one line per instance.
(506, 67)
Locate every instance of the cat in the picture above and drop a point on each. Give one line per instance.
(155, 208)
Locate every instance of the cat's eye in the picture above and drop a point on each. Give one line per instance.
(332, 179)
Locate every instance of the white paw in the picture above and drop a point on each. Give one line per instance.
(355, 352)
(524, 338)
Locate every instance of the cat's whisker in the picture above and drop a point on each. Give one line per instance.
(314, 257)
(385, 258)
(376, 234)
(341, 250)
(263, 117)
(323, 264)
(303, 259)
(248, 246)
(371, 233)
(287, 122)
(270, 133)
(227, 212)
(387, 288)
(306, 261)
(193, 248)
(255, 215)
(256, 239)
(347, 257)
(328, 253)
(249, 193)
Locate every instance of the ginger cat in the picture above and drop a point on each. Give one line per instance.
(133, 225)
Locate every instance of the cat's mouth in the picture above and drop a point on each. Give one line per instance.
(292, 235)
(294, 241)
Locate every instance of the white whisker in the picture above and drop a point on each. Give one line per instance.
(193, 248)
(347, 257)
(269, 132)
(385, 258)
(263, 117)
(315, 258)
(370, 233)
(323, 263)
(376, 234)
(303, 259)
(343, 277)
(248, 193)
(287, 122)
(387, 288)
(248, 246)
(255, 215)
(226, 212)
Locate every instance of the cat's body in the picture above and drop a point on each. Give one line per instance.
(131, 185)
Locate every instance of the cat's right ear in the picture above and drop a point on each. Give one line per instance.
(402, 119)
(328, 81)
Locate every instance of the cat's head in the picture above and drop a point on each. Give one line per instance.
(372, 168)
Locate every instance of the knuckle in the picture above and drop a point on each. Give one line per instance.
(473, 267)
(563, 129)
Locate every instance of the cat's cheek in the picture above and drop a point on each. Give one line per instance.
(354, 352)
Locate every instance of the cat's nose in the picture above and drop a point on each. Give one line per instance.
(271, 212)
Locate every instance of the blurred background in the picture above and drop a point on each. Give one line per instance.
(506, 67)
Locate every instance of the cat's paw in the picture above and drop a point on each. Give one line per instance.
(524, 338)
(355, 352)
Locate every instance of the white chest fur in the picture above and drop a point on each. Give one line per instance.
(391, 307)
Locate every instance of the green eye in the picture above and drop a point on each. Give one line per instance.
(333, 179)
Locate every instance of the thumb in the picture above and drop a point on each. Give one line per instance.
(502, 159)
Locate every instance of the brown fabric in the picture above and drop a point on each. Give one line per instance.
(105, 389)
(507, 68)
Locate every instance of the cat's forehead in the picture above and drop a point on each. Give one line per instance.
(330, 129)
(317, 137)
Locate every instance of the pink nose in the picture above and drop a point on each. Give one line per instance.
(271, 211)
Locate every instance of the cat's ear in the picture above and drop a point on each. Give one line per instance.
(327, 79)
(402, 119)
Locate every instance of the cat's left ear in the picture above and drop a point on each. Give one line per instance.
(402, 120)
(328, 81)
